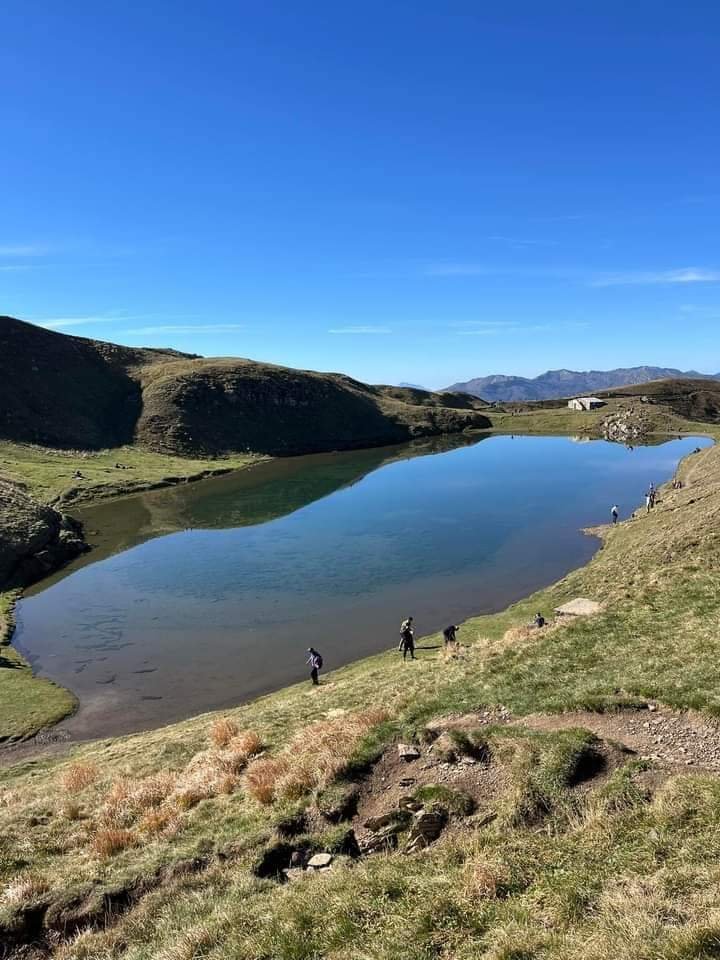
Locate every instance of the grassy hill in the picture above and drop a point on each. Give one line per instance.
(70, 392)
(584, 834)
(697, 400)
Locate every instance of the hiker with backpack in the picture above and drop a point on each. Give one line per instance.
(450, 634)
(315, 662)
(407, 638)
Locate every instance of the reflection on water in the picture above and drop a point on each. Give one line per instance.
(201, 596)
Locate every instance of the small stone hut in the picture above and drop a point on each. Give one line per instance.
(585, 403)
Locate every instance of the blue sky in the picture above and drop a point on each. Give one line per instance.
(398, 190)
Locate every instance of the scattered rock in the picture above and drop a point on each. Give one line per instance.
(319, 860)
(383, 840)
(427, 828)
(407, 752)
(391, 818)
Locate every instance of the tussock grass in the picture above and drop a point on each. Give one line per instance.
(107, 841)
(222, 731)
(313, 759)
(24, 889)
(78, 775)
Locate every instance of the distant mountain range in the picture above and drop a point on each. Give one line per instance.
(567, 383)
(415, 386)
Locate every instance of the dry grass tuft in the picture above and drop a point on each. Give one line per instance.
(192, 944)
(107, 841)
(484, 880)
(247, 742)
(312, 759)
(222, 731)
(71, 810)
(129, 799)
(228, 784)
(24, 889)
(165, 822)
(78, 776)
(262, 777)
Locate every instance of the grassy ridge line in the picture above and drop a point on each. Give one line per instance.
(616, 878)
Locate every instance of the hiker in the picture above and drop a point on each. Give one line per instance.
(449, 633)
(539, 621)
(648, 502)
(315, 661)
(407, 638)
(614, 513)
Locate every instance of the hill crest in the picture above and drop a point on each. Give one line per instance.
(72, 392)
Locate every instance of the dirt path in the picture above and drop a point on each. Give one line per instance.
(668, 737)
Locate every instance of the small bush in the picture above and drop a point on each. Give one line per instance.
(77, 776)
(111, 840)
(222, 731)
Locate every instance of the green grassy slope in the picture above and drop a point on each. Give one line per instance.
(627, 868)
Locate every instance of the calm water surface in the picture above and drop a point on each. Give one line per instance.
(202, 596)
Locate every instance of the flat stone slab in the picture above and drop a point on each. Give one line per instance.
(319, 860)
(580, 607)
(407, 752)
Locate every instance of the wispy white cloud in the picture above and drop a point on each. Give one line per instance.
(642, 277)
(494, 331)
(461, 270)
(59, 323)
(522, 241)
(492, 328)
(23, 250)
(486, 324)
(185, 328)
(361, 329)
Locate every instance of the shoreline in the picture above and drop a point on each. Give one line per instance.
(42, 736)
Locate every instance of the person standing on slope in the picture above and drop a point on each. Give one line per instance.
(614, 513)
(450, 634)
(315, 662)
(407, 638)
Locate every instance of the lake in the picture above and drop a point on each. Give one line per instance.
(201, 596)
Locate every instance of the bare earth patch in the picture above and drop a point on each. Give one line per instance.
(668, 737)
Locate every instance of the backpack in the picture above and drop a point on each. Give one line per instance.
(318, 661)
